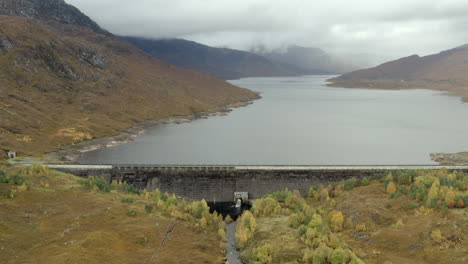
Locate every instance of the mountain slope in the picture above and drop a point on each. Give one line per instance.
(61, 84)
(55, 10)
(220, 62)
(447, 70)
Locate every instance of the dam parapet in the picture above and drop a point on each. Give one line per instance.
(221, 183)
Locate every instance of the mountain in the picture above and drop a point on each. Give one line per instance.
(63, 80)
(446, 71)
(49, 10)
(308, 60)
(219, 62)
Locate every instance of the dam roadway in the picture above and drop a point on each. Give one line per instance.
(219, 183)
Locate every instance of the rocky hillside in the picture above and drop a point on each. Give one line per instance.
(62, 83)
(219, 62)
(447, 70)
(48, 10)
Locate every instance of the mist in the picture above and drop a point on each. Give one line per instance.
(379, 30)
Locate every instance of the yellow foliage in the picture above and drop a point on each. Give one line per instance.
(334, 241)
(360, 227)
(450, 198)
(436, 235)
(391, 188)
(203, 223)
(324, 197)
(336, 220)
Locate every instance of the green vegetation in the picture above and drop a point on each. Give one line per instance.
(287, 227)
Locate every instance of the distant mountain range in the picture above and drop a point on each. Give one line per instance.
(233, 64)
(306, 60)
(219, 62)
(63, 79)
(446, 71)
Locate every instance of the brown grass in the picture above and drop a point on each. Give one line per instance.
(57, 221)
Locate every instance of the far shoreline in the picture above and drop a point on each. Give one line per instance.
(70, 154)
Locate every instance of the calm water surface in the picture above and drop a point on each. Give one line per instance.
(299, 122)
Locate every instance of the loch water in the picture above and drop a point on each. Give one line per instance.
(299, 121)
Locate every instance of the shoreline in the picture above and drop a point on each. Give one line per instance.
(445, 91)
(71, 153)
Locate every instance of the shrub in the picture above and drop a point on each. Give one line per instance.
(433, 194)
(148, 208)
(263, 255)
(336, 220)
(360, 227)
(280, 196)
(16, 179)
(3, 179)
(365, 181)
(203, 222)
(222, 232)
(411, 206)
(339, 256)
(130, 188)
(324, 196)
(228, 219)
(127, 200)
(266, 207)
(350, 184)
(391, 188)
(96, 182)
(245, 229)
(131, 213)
(404, 178)
(450, 198)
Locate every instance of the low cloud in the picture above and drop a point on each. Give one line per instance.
(386, 28)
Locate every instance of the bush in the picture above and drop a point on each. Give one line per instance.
(127, 200)
(148, 208)
(365, 181)
(339, 256)
(96, 182)
(16, 179)
(263, 255)
(350, 184)
(130, 188)
(391, 188)
(336, 220)
(245, 229)
(411, 206)
(131, 213)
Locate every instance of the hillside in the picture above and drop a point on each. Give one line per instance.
(64, 83)
(307, 60)
(49, 10)
(446, 71)
(402, 217)
(219, 62)
(52, 217)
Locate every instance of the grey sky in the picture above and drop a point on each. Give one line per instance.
(388, 28)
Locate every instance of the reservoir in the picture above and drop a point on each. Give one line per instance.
(299, 121)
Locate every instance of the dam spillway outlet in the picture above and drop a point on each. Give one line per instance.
(229, 208)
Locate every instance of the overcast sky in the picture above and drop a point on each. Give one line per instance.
(387, 28)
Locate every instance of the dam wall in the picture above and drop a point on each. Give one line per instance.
(218, 183)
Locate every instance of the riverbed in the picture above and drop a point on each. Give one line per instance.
(300, 121)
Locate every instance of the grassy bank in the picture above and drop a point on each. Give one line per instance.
(400, 217)
(51, 217)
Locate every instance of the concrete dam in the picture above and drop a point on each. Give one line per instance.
(223, 183)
